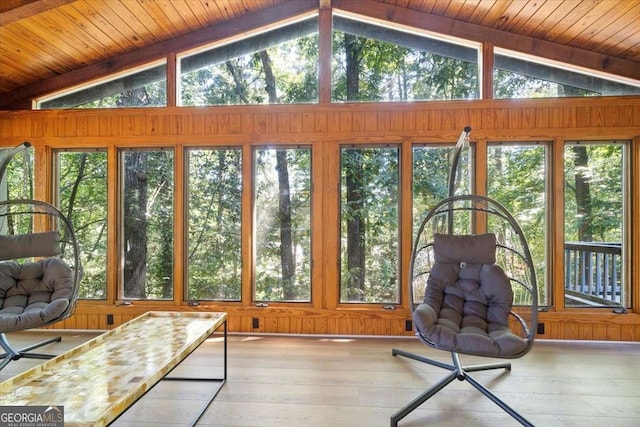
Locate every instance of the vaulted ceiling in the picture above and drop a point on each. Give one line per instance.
(47, 45)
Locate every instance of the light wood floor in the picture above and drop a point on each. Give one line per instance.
(328, 382)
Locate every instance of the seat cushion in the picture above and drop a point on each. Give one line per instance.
(466, 305)
(33, 294)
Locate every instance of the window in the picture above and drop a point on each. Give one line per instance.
(515, 76)
(146, 223)
(595, 224)
(517, 177)
(369, 225)
(214, 216)
(376, 63)
(82, 197)
(142, 88)
(431, 170)
(17, 182)
(279, 66)
(282, 218)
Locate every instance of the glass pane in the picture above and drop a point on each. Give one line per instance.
(595, 225)
(214, 258)
(520, 78)
(431, 169)
(282, 207)
(147, 224)
(280, 66)
(146, 88)
(517, 179)
(17, 182)
(369, 225)
(82, 195)
(374, 63)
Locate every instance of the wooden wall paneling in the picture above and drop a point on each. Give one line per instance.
(325, 128)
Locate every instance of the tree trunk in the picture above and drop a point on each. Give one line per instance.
(584, 211)
(356, 234)
(353, 176)
(287, 260)
(582, 193)
(135, 226)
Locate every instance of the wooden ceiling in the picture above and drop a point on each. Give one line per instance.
(46, 45)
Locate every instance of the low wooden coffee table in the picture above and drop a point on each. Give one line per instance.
(98, 380)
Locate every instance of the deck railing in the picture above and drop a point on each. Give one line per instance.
(593, 273)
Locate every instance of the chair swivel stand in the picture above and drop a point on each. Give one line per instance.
(460, 373)
(13, 354)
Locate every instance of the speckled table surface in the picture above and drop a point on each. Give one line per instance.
(97, 381)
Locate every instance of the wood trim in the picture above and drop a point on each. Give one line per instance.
(325, 25)
(486, 70)
(557, 225)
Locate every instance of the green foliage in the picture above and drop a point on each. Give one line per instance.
(214, 258)
(388, 72)
(270, 283)
(83, 198)
(378, 204)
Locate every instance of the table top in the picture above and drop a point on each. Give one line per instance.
(99, 379)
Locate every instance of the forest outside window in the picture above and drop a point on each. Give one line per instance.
(278, 66)
(369, 224)
(518, 76)
(146, 223)
(282, 221)
(81, 195)
(595, 243)
(214, 217)
(431, 168)
(517, 177)
(141, 88)
(376, 63)
(17, 182)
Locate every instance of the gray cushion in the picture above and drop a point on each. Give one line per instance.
(471, 248)
(33, 294)
(468, 299)
(16, 246)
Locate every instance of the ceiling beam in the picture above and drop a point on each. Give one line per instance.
(256, 21)
(503, 39)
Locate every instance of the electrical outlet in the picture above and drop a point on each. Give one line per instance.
(540, 328)
(408, 325)
(109, 319)
(256, 323)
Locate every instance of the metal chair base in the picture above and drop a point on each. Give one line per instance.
(13, 354)
(460, 373)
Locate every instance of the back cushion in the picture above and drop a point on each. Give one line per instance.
(16, 246)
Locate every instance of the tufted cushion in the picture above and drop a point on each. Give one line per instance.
(468, 299)
(33, 294)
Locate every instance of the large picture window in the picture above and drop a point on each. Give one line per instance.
(214, 218)
(369, 225)
(82, 197)
(282, 217)
(517, 177)
(146, 203)
(278, 66)
(595, 224)
(376, 63)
